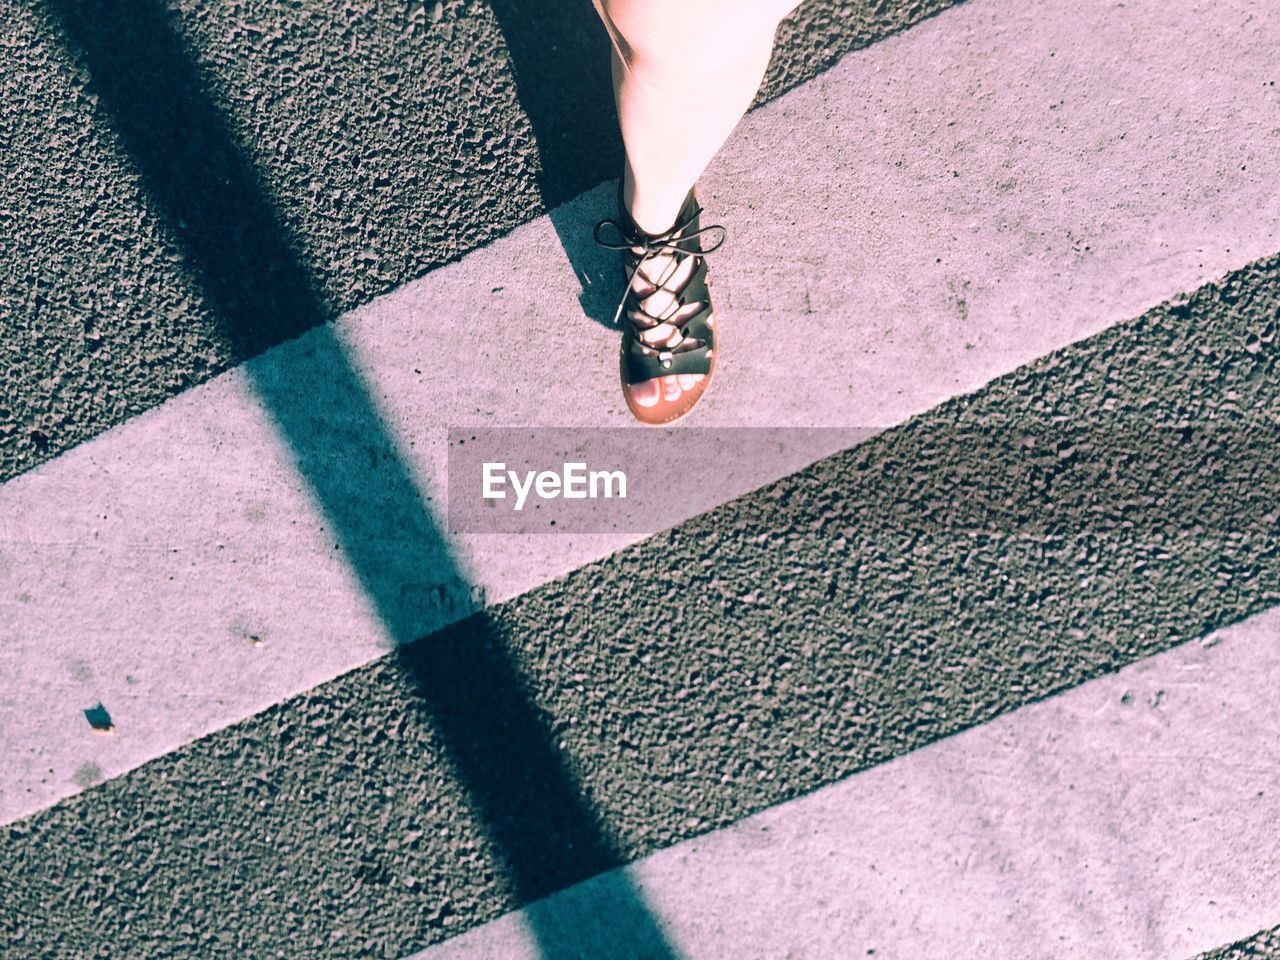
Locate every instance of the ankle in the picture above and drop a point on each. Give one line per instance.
(653, 214)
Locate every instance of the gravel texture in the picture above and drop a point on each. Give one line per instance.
(187, 184)
(1264, 945)
(1092, 508)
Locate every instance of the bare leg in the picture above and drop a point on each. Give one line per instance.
(680, 92)
(684, 72)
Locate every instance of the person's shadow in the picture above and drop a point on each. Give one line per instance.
(470, 686)
(560, 59)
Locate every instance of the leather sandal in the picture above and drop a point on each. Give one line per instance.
(665, 312)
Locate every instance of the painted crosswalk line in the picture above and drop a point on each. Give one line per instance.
(1131, 818)
(1090, 510)
(919, 261)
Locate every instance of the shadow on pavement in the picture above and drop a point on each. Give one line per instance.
(471, 690)
(568, 97)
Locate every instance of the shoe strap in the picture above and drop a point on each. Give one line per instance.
(684, 239)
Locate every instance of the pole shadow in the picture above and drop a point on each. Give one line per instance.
(469, 684)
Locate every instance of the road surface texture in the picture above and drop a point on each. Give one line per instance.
(993, 682)
(1043, 833)
(1266, 943)
(189, 183)
(973, 276)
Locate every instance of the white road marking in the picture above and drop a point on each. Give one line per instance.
(936, 210)
(1135, 817)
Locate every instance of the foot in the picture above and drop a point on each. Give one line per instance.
(656, 284)
(668, 339)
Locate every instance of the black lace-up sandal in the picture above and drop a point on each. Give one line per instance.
(665, 313)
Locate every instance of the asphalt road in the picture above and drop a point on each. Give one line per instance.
(1264, 945)
(188, 184)
(943, 230)
(1090, 509)
(1096, 822)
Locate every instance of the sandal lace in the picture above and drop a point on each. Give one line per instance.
(644, 248)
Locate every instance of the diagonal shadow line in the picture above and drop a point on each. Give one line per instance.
(470, 688)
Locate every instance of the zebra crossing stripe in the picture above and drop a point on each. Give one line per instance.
(931, 579)
(185, 570)
(1132, 817)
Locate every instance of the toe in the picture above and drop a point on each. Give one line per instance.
(688, 380)
(671, 388)
(647, 393)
